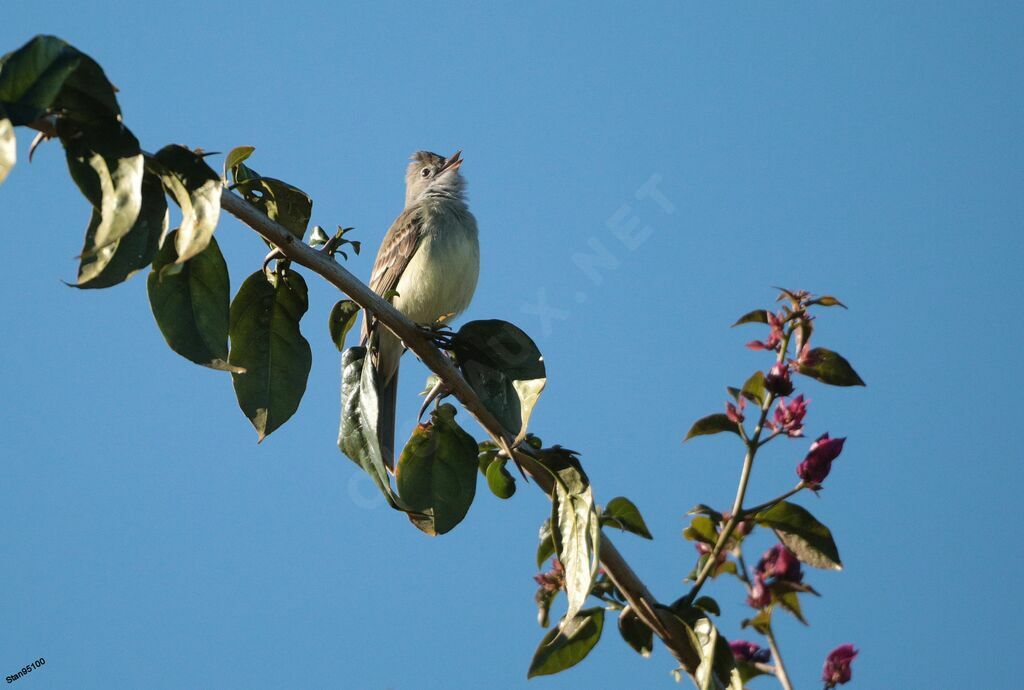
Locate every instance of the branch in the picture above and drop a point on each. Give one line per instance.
(661, 621)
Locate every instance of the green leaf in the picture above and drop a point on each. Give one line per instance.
(761, 622)
(701, 529)
(501, 483)
(343, 317)
(106, 163)
(546, 546)
(810, 540)
(486, 450)
(32, 76)
(196, 188)
(87, 95)
(827, 301)
(8, 147)
(635, 633)
(235, 157)
(712, 424)
(756, 316)
(829, 367)
(701, 509)
(575, 526)
(357, 433)
(115, 262)
(190, 304)
(568, 644)
(436, 473)
(747, 671)
(790, 602)
(504, 367)
(622, 514)
(267, 344)
(753, 389)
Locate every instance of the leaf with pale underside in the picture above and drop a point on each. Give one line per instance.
(8, 146)
(266, 342)
(196, 188)
(115, 262)
(505, 368)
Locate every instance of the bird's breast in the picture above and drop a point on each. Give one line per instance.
(442, 274)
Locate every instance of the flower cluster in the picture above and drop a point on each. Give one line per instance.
(818, 463)
(778, 564)
(554, 579)
(837, 669)
(749, 652)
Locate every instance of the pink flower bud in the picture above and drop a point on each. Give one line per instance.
(735, 414)
(777, 381)
(837, 669)
(789, 416)
(553, 580)
(749, 652)
(816, 466)
(759, 595)
(779, 563)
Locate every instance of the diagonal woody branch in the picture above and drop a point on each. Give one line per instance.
(655, 616)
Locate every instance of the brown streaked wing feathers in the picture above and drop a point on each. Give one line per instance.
(395, 252)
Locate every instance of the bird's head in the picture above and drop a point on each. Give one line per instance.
(431, 174)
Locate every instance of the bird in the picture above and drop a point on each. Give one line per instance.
(427, 266)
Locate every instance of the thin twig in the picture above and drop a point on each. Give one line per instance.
(780, 668)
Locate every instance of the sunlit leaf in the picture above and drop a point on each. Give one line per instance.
(106, 163)
(810, 540)
(504, 367)
(343, 317)
(267, 344)
(753, 389)
(622, 514)
(701, 529)
(8, 146)
(196, 188)
(190, 303)
(236, 156)
(115, 262)
(575, 525)
(568, 644)
(436, 473)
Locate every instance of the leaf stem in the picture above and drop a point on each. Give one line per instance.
(780, 668)
(750, 512)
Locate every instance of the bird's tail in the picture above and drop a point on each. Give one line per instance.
(388, 350)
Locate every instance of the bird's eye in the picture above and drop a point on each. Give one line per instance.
(425, 172)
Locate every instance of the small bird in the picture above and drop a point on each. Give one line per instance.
(427, 265)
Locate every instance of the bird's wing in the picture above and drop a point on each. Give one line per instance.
(394, 254)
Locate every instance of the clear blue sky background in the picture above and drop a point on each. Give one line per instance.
(868, 150)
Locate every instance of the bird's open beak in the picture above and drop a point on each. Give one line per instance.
(453, 162)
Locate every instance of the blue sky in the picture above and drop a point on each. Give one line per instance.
(867, 150)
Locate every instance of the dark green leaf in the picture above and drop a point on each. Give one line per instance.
(622, 514)
(87, 95)
(343, 317)
(357, 433)
(546, 546)
(635, 633)
(436, 473)
(712, 424)
(717, 666)
(486, 450)
(829, 367)
(504, 367)
(266, 342)
(544, 599)
(568, 644)
(756, 316)
(8, 147)
(708, 605)
(106, 163)
(748, 671)
(196, 188)
(701, 509)
(810, 540)
(575, 525)
(701, 529)
(753, 389)
(117, 261)
(280, 201)
(190, 303)
(32, 76)
(501, 483)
